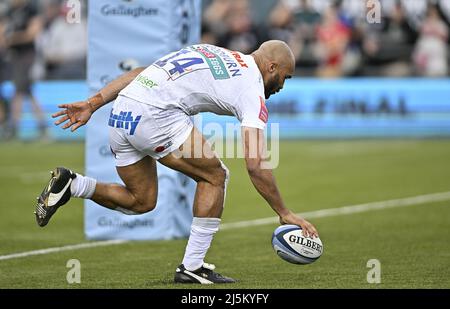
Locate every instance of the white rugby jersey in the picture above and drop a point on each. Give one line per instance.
(204, 78)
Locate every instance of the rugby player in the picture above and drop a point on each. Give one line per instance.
(150, 120)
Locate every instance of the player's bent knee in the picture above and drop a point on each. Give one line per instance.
(144, 207)
(221, 176)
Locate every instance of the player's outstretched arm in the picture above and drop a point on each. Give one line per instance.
(264, 180)
(75, 115)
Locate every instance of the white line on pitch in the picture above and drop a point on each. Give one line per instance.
(64, 248)
(408, 201)
(403, 202)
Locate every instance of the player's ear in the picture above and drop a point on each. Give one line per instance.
(272, 67)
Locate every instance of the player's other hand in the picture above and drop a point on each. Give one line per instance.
(73, 115)
(308, 229)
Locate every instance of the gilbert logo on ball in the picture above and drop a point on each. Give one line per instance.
(290, 244)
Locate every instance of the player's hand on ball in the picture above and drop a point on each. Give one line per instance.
(308, 229)
(76, 114)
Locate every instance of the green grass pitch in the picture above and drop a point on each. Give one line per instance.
(411, 243)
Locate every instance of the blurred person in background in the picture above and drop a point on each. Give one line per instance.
(296, 22)
(63, 45)
(352, 13)
(280, 21)
(444, 6)
(430, 54)
(387, 46)
(333, 38)
(242, 34)
(22, 27)
(213, 21)
(306, 21)
(207, 35)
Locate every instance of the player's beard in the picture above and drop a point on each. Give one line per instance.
(272, 86)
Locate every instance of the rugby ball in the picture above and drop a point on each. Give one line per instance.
(290, 245)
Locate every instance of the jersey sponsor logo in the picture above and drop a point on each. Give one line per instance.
(219, 61)
(145, 81)
(205, 52)
(239, 59)
(214, 62)
(230, 61)
(163, 147)
(124, 120)
(263, 112)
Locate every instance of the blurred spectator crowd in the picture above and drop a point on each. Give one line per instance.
(330, 38)
(39, 34)
(37, 41)
(334, 38)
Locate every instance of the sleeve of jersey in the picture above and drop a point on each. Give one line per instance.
(254, 111)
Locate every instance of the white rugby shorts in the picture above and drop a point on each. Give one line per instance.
(137, 129)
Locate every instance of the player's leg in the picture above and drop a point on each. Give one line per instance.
(137, 196)
(21, 64)
(16, 112)
(39, 114)
(134, 166)
(196, 159)
(212, 177)
(140, 192)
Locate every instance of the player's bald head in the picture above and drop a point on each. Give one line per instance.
(276, 62)
(278, 52)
